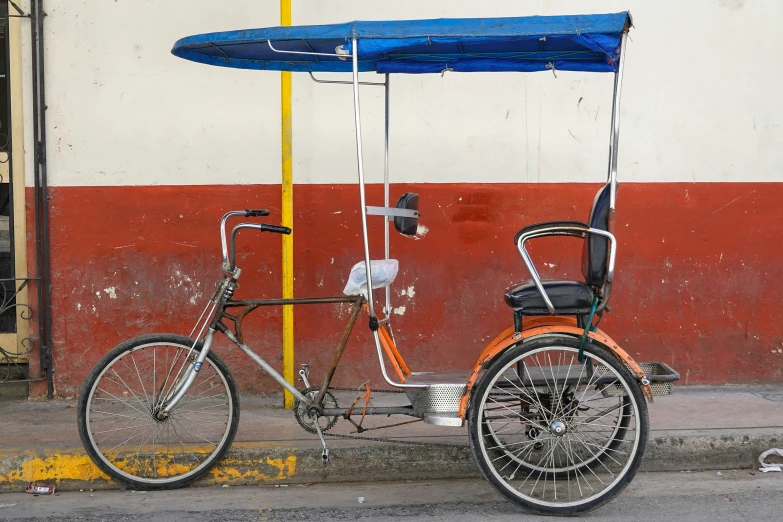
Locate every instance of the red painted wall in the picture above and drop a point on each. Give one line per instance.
(698, 285)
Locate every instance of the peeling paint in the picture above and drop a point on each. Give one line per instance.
(421, 231)
(111, 291)
(400, 310)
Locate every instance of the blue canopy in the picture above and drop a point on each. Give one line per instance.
(534, 43)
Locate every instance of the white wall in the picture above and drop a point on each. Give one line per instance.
(701, 100)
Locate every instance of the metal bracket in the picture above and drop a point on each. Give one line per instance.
(337, 54)
(344, 82)
(392, 212)
(18, 10)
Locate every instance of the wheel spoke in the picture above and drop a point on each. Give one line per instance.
(118, 399)
(174, 419)
(138, 375)
(129, 388)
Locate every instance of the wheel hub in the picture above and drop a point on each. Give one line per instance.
(159, 415)
(558, 428)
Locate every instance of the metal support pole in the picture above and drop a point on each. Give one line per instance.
(386, 184)
(359, 161)
(41, 192)
(287, 217)
(614, 134)
(46, 309)
(37, 186)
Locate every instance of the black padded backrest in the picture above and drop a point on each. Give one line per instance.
(596, 248)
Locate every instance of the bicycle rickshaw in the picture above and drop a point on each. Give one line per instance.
(556, 410)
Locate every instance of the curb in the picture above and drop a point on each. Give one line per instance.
(263, 463)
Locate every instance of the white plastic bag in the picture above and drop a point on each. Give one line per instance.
(383, 273)
(767, 467)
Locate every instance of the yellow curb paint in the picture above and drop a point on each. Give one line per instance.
(17, 469)
(56, 466)
(226, 472)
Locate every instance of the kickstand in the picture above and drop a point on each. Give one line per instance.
(325, 452)
(366, 396)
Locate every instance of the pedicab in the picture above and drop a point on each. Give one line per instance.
(556, 411)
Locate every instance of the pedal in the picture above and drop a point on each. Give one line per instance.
(304, 373)
(325, 456)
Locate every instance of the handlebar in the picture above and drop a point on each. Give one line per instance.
(263, 227)
(277, 229)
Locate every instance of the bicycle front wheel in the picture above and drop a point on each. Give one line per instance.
(117, 413)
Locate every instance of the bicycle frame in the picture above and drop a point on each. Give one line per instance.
(220, 308)
(225, 303)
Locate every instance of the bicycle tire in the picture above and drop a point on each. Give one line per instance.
(542, 502)
(181, 420)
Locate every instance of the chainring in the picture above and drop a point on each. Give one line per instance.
(302, 417)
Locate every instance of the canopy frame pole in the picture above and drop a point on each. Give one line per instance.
(614, 135)
(386, 186)
(367, 266)
(360, 167)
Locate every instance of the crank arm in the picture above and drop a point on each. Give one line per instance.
(325, 452)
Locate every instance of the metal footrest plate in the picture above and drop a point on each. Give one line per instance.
(661, 376)
(438, 402)
(444, 419)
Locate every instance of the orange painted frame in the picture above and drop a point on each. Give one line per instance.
(393, 354)
(540, 326)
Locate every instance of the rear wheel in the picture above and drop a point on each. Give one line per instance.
(554, 435)
(119, 421)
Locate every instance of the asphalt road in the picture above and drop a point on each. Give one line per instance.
(704, 496)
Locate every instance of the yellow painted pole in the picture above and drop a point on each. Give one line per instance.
(288, 217)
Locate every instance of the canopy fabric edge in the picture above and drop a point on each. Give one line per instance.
(588, 43)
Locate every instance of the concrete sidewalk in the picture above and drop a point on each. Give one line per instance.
(696, 428)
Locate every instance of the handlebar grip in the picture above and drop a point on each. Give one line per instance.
(277, 229)
(256, 213)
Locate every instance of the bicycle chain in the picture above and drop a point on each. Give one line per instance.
(393, 441)
(376, 439)
(330, 425)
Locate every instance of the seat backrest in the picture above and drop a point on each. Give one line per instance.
(596, 248)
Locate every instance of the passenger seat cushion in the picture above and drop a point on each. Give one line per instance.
(566, 296)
